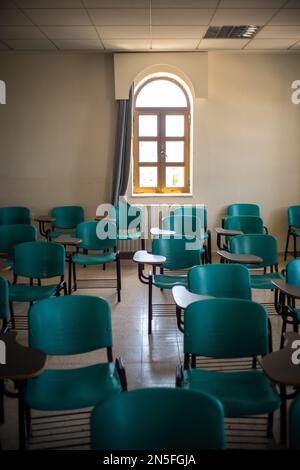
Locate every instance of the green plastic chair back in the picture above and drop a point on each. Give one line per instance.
(188, 225)
(226, 328)
(67, 217)
(158, 419)
(70, 325)
(127, 216)
(294, 216)
(11, 235)
(245, 223)
(261, 245)
(39, 260)
(294, 424)
(14, 215)
(89, 233)
(177, 252)
(293, 272)
(4, 298)
(243, 209)
(195, 211)
(220, 280)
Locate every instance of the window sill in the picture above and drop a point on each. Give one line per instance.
(161, 195)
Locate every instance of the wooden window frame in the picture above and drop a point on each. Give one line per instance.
(161, 140)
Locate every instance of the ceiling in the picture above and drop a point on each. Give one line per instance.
(145, 25)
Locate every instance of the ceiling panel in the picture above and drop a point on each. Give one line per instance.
(182, 17)
(175, 32)
(49, 3)
(13, 18)
(124, 32)
(116, 3)
(20, 32)
(242, 16)
(184, 3)
(286, 17)
(270, 43)
(78, 44)
(278, 32)
(70, 32)
(292, 4)
(59, 17)
(174, 44)
(30, 44)
(125, 17)
(127, 44)
(251, 3)
(223, 43)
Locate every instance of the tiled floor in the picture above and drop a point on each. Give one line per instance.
(149, 361)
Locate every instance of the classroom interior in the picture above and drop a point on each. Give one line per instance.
(149, 224)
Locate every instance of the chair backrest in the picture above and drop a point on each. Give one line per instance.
(127, 216)
(70, 325)
(220, 280)
(67, 217)
(4, 299)
(158, 419)
(243, 209)
(11, 235)
(180, 252)
(244, 223)
(293, 272)
(14, 215)
(294, 424)
(94, 238)
(39, 260)
(188, 225)
(226, 328)
(195, 211)
(294, 216)
(264, 246)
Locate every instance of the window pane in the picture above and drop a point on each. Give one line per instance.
(148, 151)
(174, 177)
(174, 126)
(148, 177)
(148, 126)
(161, 93)
(174, 151)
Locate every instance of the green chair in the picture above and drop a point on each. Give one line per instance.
(243, 209)
(201, 213)
(245, 223)
(4, 303)
(128, 220)
(290, 312)
(92, 240)
(294, 424)
(73, 325)
(181, 253)
(223, 329)
(66, 220)
(36, 261)
(12, 235)
(14, 215)
(294, 229)
(158, 419)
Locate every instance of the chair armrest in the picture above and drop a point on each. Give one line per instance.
(143, 257)
(227, 233)
(289, 289)
(239, 258)
(183, 297)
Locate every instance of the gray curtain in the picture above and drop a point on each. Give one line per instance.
(122, 147)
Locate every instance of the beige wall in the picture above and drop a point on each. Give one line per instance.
(57, 133)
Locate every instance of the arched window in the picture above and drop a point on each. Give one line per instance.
(161, 137)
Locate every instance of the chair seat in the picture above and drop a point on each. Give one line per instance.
(68, 389)
(90, 260)
(167, 282)
(56, 233)
(129, 236)
(241, 393)
(27, 293)
(264, 281)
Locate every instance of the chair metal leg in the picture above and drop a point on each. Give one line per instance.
(12, 315)
(295, 246)
(74, 277)
(118, 267)
(283, 416)
(2, 416)
(287, 245)
(150, 306)
(270, 425)
(283, 330)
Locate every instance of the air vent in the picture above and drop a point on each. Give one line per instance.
(231, 32)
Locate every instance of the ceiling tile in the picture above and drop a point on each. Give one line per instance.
(3, 47)
(223, 43)
(251, 3)
(286, 17)
(174, 44)
(59, 17)
(296, 46)
(13, 18)
(242, 16)
(270, 43)
(292, 4)
(181, 17)
(20, 32)
(105, 17)
(79, 44)
(49, 3)
(186, 32)
(278, 32)
(70, 32)
(116, 3)
(30, 44)
(184, 3)
(127, 44)
(124, 32)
